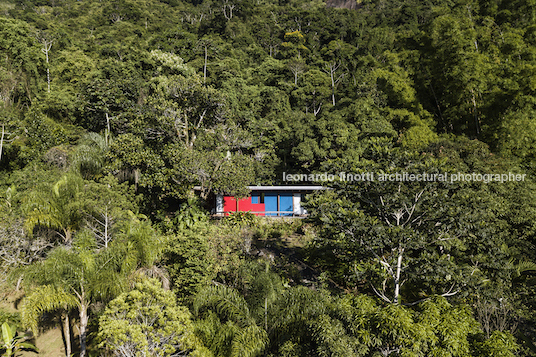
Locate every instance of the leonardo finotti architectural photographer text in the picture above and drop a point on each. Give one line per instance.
(405, 177)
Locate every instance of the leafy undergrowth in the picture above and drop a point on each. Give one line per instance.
(284, 243)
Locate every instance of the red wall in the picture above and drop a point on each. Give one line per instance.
(244, 205)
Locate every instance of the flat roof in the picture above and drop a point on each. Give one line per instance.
(280, 188)
(286, 188)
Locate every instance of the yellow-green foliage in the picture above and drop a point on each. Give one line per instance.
(147, 322)
(44, 299)
(171, 61)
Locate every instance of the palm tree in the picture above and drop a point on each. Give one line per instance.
(89, 155)
(57, 208)
(313, 323)
(81, 275)
(276, 320)
(70, 278)
(226, 325)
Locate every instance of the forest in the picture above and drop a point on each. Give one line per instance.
(112, 112)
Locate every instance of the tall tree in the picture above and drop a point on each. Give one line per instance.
(397, 225)
(460, 71)
(46, 41)
(229, 329)
(84, 275)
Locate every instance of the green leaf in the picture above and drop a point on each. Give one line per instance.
(7, 334)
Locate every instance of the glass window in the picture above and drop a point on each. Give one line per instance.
(257, 197)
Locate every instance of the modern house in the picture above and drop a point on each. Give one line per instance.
(274, 201)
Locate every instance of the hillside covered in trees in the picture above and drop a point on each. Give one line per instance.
(112, 111)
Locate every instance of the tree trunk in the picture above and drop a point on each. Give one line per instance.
(83, 328)
(48, 79)
(333, 96)
(205, 66)
(67, 236)
(47, 45)
(2, 142)
(266, 314)
(107, 133)
(475, 113)
(332, 86)
(67, 333)
(397, 277)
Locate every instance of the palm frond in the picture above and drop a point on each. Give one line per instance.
(249, 341)
(44, 299)
(227, 303)
(94, 140)
(525, 266)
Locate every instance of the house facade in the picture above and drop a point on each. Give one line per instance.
(269, 201)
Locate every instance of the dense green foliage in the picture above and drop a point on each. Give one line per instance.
(111, 112)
